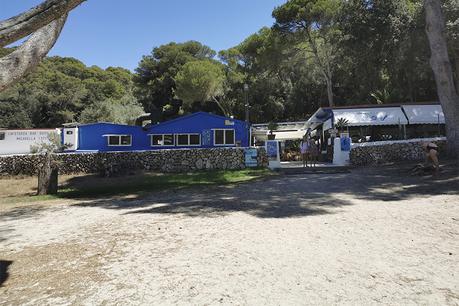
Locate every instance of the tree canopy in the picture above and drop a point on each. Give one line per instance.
(317, 52)
(199, 82)
(60, 89)
(154, 79)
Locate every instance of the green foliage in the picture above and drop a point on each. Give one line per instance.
(272, 126)
(53, 145)
(451, 10)
(123, 111)
(373, 51)
(313, 26)
(367, 52)
(143, 184)
(199, 81)
(13, 115)
(341, 123)
(60, 89)
(155, 77)
(386, 51)
(299, 15)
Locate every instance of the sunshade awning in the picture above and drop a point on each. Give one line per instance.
(424, 114)
(280, 135)
(371, 116)
(289, 135)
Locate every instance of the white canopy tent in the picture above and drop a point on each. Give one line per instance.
(424, 114)
(371, 116)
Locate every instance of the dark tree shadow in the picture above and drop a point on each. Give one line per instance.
(264, 199)
(23, 212)
(277, 197)
(4, 264)
(4, 233)
(292, 196)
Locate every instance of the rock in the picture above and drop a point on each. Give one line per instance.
(395, 152)
(126, 162)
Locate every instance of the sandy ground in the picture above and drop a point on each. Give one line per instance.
(362, 238)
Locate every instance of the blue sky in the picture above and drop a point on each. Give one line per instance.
(118, 32)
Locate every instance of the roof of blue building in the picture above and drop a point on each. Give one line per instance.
(161, 124)
(197, 114)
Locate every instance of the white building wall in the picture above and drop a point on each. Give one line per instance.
(70, 138)
(19, 141)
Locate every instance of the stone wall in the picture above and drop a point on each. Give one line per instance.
(380, 153)
(166, 161)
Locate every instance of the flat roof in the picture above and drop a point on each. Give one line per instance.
(379, 114)
(379, 105)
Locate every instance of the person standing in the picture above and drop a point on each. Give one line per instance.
(304, 150)
(313, 152)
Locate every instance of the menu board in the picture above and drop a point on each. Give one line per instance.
(251, 156)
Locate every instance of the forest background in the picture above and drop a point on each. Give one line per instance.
(317, 53)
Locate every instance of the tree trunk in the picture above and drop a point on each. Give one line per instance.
(44, 22)
(329, 91)
(220, 106)
(325, 67)
(47, 177)
(441, 66)
(21, 61)
(20, 26)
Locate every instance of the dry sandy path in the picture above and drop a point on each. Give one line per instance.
(357, 239)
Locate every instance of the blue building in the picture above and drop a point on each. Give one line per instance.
(198, 130)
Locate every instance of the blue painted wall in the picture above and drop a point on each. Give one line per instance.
(91, 136)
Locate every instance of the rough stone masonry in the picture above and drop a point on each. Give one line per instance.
(166, 161)
(391, 152)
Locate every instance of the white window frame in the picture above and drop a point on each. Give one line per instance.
(224, 138)
(188, 145)
(162, 145)
(119, 137)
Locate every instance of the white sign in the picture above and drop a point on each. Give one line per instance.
(19, 141)
(27, 135)
(333, 132)
(272, 150)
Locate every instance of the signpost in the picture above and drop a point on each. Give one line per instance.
(272, 150)
(251, 158)
(345, 142)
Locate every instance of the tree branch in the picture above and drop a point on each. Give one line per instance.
(20, 26)
(15, 65)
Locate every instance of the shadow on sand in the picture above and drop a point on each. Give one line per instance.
(278, 197)
(291, 196)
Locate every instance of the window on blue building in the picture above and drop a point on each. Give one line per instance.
(119, 140)
(224, 137)
(162, 140)
(188, 139)
(195, 139)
